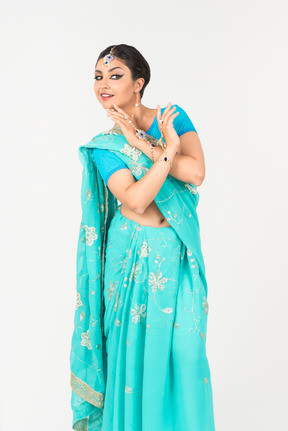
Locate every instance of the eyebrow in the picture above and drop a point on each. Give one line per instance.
(110, 70)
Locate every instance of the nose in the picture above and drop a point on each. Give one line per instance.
(104, 83)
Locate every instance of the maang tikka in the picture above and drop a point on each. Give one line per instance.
(109, 57)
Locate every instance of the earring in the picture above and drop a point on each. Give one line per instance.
(137, 104)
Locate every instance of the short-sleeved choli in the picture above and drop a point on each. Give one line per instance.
(108, 162)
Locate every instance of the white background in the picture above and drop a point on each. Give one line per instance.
(225, 63)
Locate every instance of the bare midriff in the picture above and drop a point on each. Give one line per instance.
(151, 217)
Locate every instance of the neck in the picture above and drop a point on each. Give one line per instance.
(141, 115)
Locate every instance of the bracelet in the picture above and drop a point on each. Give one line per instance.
(142, 136)
(165, 159)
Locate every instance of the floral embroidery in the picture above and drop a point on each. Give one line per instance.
(117, 302)
(144, 249)
(78, 300)
(124, 226)
(117, 322)
(91, 235)
(128, 255)
(157, 281)
(205, 305)
(128, 390)
(205, 380)
(138, 313)
(86, 340)
(134, 270)
(167, 310)
(111, 289)
(192, 189)
(88, 194)
(131, 152)
(138, 169)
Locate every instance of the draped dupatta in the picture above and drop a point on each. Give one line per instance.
(177, 201)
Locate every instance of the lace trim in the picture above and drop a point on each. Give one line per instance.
(85, 391)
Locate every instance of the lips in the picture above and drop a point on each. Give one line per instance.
(106, 96)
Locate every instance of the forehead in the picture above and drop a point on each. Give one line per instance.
(112, 64)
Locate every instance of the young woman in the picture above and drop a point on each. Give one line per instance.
(138, 352)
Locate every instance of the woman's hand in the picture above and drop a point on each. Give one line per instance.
(168, 131)
(119, 117)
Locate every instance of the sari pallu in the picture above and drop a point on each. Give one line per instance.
(177, 201)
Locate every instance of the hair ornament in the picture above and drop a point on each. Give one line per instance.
(109, 57)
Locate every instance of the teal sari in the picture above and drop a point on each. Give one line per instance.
(177, 201)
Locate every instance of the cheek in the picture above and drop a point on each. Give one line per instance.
(123, 88)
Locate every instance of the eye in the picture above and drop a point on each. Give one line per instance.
(118, 76)
(99, 76)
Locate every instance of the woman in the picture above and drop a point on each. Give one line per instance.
(138, 353)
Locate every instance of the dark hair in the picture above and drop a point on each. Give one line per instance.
(133, 59)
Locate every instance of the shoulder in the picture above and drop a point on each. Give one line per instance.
(182, 122)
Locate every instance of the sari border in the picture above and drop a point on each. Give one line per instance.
(81, 425)
(85, 391)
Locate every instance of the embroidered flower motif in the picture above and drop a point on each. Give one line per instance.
(138, 312)
(111, 289)
(124, 226)
(117, 302)
(144, 249)
(90, 233)
(82, 315)
(88, 194)
(202, 335)
(176, 325)
(205, 380)
(131, 152)
(128, 255)
(86, 340)
(78, 300)
(109, 132)
(128, 390)
(156, 281)
(137, 169)
(117, 322)
(192, 189)
(167, 310)
(134, 270)
(205, 305)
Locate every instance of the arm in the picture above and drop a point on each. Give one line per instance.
(188, 164)
(138, 195)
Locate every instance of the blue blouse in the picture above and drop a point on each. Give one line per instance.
(108, 162)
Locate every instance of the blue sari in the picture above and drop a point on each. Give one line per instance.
(138, 353)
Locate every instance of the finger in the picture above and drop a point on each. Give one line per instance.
(114, 115)
(166, 110)
(169, 114)
(119, 109)
(171, 118)
(158, 112)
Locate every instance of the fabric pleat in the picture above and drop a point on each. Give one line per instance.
(158, 375)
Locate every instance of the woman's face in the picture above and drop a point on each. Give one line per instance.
(114, 80)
